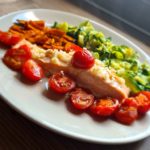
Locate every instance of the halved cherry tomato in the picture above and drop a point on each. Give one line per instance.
(83, 59)
(9, 39)
(61, 83)
(146, 93)
(15, 57)
(104, 107)
(73, 47)
(143, 103)
(4, 37)
(32, 70)
(81, 99)
(126, 114)
(131, 101)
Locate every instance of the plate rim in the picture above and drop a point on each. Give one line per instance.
(62, 131)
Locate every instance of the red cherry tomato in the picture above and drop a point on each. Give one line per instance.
(32, 71)
(15, 57)
(105, 107)
(4, 37)
(131, 101)
(143, 103)
(83, 59)
(9, 39)
(14, 40)
(73, 47)
(80, 99)
(146, 93)
(126, 114)
(61, 83)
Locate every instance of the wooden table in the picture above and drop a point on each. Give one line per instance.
(17, 132)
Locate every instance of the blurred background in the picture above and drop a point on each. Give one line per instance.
(131, 16)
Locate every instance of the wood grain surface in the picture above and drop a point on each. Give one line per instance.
(20, 133)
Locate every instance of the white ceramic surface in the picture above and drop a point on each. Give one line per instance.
(34, 101)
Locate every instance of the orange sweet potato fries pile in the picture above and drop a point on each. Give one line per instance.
(37, 33)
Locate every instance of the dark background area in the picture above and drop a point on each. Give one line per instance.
(131, 16)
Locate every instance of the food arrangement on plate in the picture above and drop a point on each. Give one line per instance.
(106, 79)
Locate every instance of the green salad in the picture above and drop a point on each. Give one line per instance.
(120, 57)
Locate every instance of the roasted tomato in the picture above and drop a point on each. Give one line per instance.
(126, 114)
(83, 59)
(73, 47)
(80, 99)
(143, 102)
(146, 93)
(61, 83)
(32, 71)
(15, 57)
(9, 39)
(131, 101)
(104, 107)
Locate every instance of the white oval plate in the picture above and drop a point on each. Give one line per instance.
(34, 102)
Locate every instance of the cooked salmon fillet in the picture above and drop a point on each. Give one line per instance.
(99, 79)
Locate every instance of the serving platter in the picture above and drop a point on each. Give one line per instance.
(50, 110)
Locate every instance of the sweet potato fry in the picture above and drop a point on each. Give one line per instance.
(37, 24)
(36, 32)
(55, 32)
